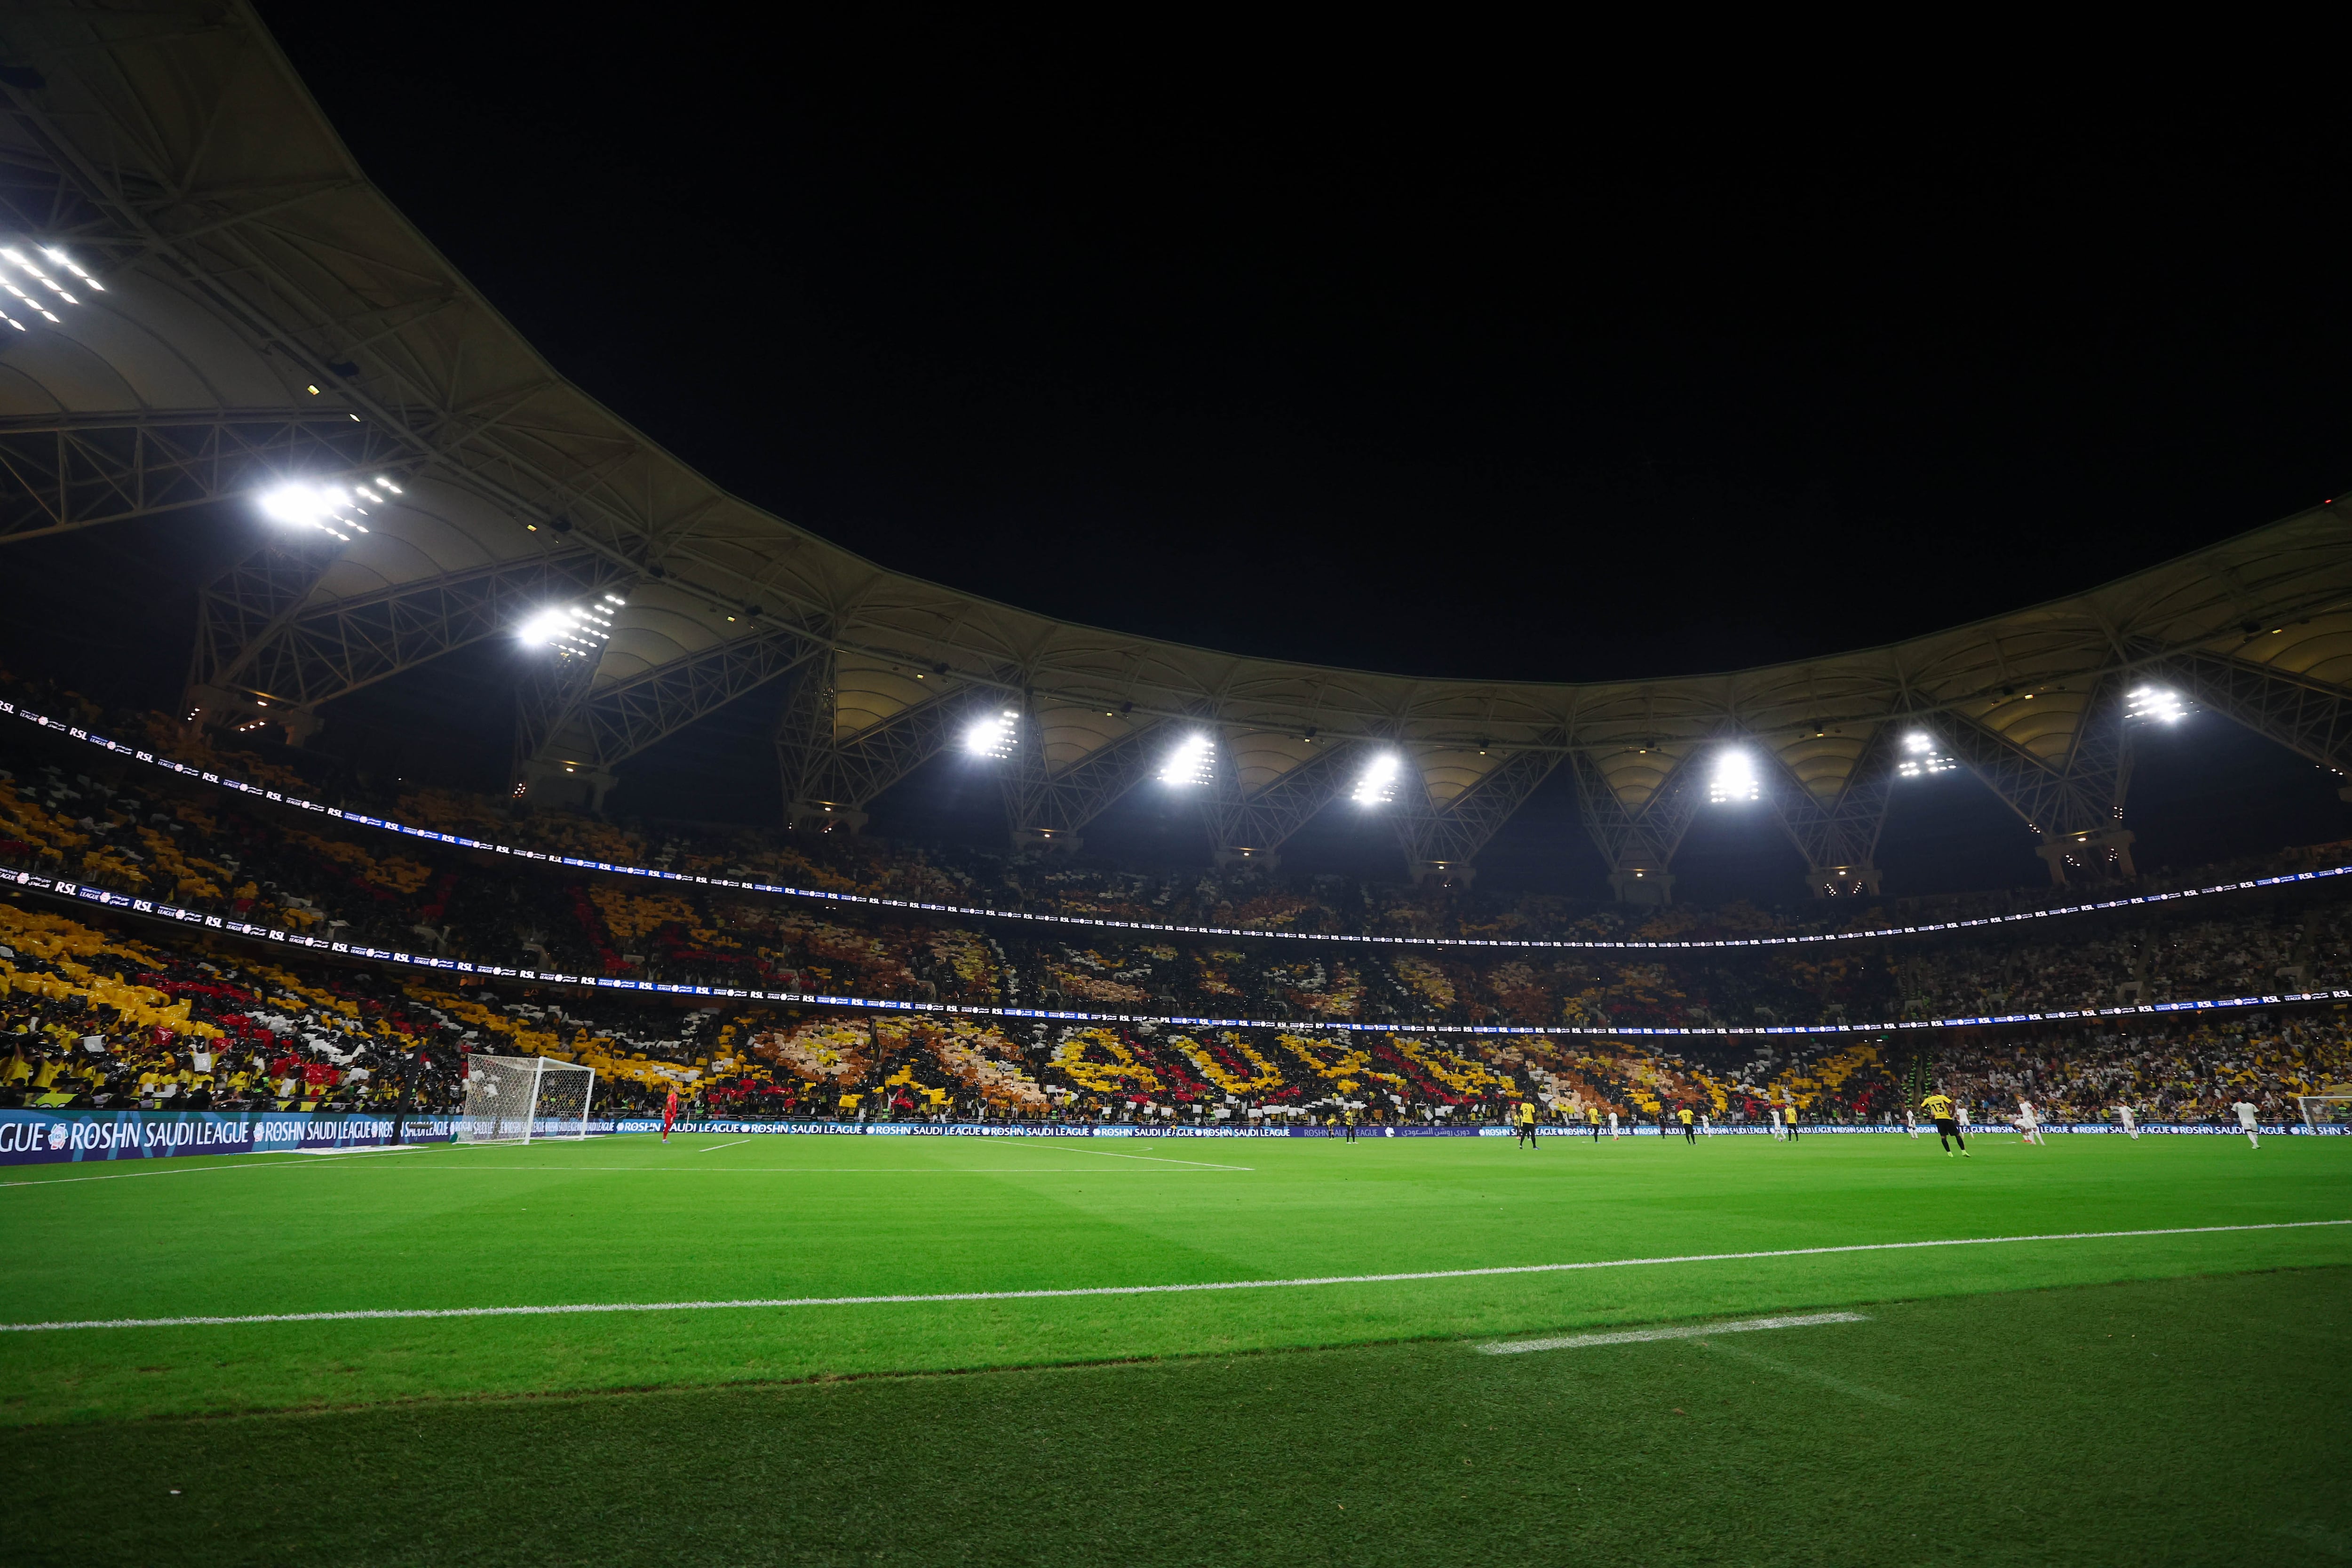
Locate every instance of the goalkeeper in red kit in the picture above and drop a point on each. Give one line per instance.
(669, 1115)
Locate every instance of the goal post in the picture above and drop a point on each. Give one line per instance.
(2323, 1110)
(514, 1100)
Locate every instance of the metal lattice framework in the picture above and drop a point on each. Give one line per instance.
(2310, 719)
(263, 631)
(267, 310)
(1047, 806)
(82, 470)
(1839, 835)
(582, 725)
(1443, 840)
(1246, 825)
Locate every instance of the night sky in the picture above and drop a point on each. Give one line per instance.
(1448, 359)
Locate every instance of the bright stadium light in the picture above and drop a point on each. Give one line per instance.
(1734, 779)
(46, 291)
(993, 737)
(1921, 756)
(2160, 704)
(1377, 786)
(1190, 762)
(573, 630)
(329, 509)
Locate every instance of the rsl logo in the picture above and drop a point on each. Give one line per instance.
(57, 1134)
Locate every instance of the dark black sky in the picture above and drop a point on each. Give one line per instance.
(1469, 367)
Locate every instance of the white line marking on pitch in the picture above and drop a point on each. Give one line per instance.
(1780, 1368)
(1687, 1332)
(1163, 1160)
(1131, 1290)
(707, 1147)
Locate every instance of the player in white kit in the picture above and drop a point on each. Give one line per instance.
(2131, 1128)
(2247, 1124)
(1910, 1124)
(2029, 1130)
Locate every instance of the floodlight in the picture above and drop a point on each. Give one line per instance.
(2157, 703)
(572, 628)
(1377, 786)
(1190, 762)
(993, 736)
(1923, 756)
(329, 509)
(1734, 779)
(45, 291)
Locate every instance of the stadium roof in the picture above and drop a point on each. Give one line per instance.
(267, 312)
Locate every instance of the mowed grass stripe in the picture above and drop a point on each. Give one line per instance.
(573, 1309)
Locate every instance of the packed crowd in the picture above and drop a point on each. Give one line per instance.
(96, 1017)
(154, 1015)
(155, 835)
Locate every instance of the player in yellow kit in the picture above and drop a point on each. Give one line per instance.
(1948, 1130)
(1526, 1120)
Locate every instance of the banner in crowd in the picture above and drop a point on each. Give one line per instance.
(153, 908)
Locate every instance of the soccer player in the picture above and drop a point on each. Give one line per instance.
(2028, 1128)
(669, 1115)
(2246, 1123)
(1612, 1127)
(2131, 1128)
(1947, 1127)
(1690, 1127)
(1910, 1124)
(1527, 1120)
(1789, 1115)
(1593, 1114)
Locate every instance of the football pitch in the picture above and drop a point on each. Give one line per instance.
(812, 1349)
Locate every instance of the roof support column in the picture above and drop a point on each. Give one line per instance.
(2073, 808)
(1442, 843)
(1839, 836)
(1637, 843)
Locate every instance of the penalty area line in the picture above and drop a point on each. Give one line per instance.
(373, 1314)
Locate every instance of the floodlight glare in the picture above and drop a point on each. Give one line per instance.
(2157, 703)
(571, 630)
(46, 291)
(1189, 763)
(993, 737)
(1734, 779)
(329, 509)
(1923, 756)
(1378, 784)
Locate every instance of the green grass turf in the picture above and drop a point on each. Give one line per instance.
(629, 1220)
(2195, 1420)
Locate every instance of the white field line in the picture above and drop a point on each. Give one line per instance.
(569, 1309)
(383, 1149)
(1687, 1332)
(707, 1148)
(1164, 1160)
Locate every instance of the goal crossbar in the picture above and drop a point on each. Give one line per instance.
(520, 1100)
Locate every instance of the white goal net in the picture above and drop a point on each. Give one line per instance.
(2325, 1110)
(514, 1100)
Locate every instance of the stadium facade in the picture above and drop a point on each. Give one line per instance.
(254, 314)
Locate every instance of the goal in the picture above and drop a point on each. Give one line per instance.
(2321, 1112)
(514, 1100)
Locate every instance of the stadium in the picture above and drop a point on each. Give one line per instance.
(1105, 1098)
